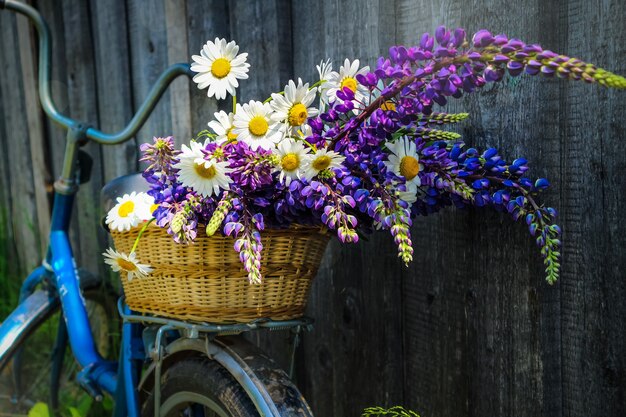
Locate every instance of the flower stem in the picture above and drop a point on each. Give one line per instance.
(143, 229)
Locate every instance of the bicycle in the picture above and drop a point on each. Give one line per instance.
(165, 367)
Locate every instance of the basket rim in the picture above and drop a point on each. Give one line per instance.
(319, 228)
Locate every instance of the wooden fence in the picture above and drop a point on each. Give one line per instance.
(470, 328)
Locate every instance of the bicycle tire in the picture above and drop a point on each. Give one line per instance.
(211, 385)
(197, 381)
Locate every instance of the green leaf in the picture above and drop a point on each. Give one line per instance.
(39, 410)
(83, 406)
(74, 412)
(107, 404)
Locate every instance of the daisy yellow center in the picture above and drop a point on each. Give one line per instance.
(126, 265)
(297, 114)
(220, 67)
(321, 162)
(126, 208)
(409, 167)
(230, 135)
(388, 105)
(153, 208)
(290, 162)
(258, 126)
(350, 83)
(207, 173)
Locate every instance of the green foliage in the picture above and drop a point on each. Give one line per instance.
(39, 410)
(82, 407)
(205, 134)
(396, 411)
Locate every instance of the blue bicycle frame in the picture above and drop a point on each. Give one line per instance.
(58, 272)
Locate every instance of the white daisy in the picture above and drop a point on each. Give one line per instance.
(323, 69)
(292, 158)
(304, 131)
(253, 125)
(223, 126)
(293, 109)
(410, 195)
(346, 77)
(404, 160)
(218, 67)
(205, 176)
(146, 206)
(125, 214)
(321, 160)
(127, 263)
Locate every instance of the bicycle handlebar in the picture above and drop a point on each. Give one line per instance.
(45, 97)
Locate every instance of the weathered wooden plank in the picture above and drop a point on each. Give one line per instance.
(148, 52)
(114, 93)
(354, 355)
(206, 20)
(55, 136)
(548, 163)
(79, 64)
(23, 209)
(592, 287)
(9, 262)
(176, 23)
(58, 82)
(317, 362)
(473, 330)
(42, 181)
(263, 29)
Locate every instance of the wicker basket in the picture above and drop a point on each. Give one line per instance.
(205, 281)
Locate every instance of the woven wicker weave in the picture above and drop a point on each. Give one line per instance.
(205, 281)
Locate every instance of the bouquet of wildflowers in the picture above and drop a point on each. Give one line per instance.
(358, 150)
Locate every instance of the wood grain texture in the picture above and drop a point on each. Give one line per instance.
(206, 20)
(263, 29)
(485, 329)
(176, 24)
(22, 212)
(594, 352)
(149, 57)
(354, 357)
(9, 261)
(113, 80)
(470, 328)
(42, 179)
(55, 136)
(83, 105)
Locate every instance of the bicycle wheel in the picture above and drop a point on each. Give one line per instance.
(27, 381)
(200, 387)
